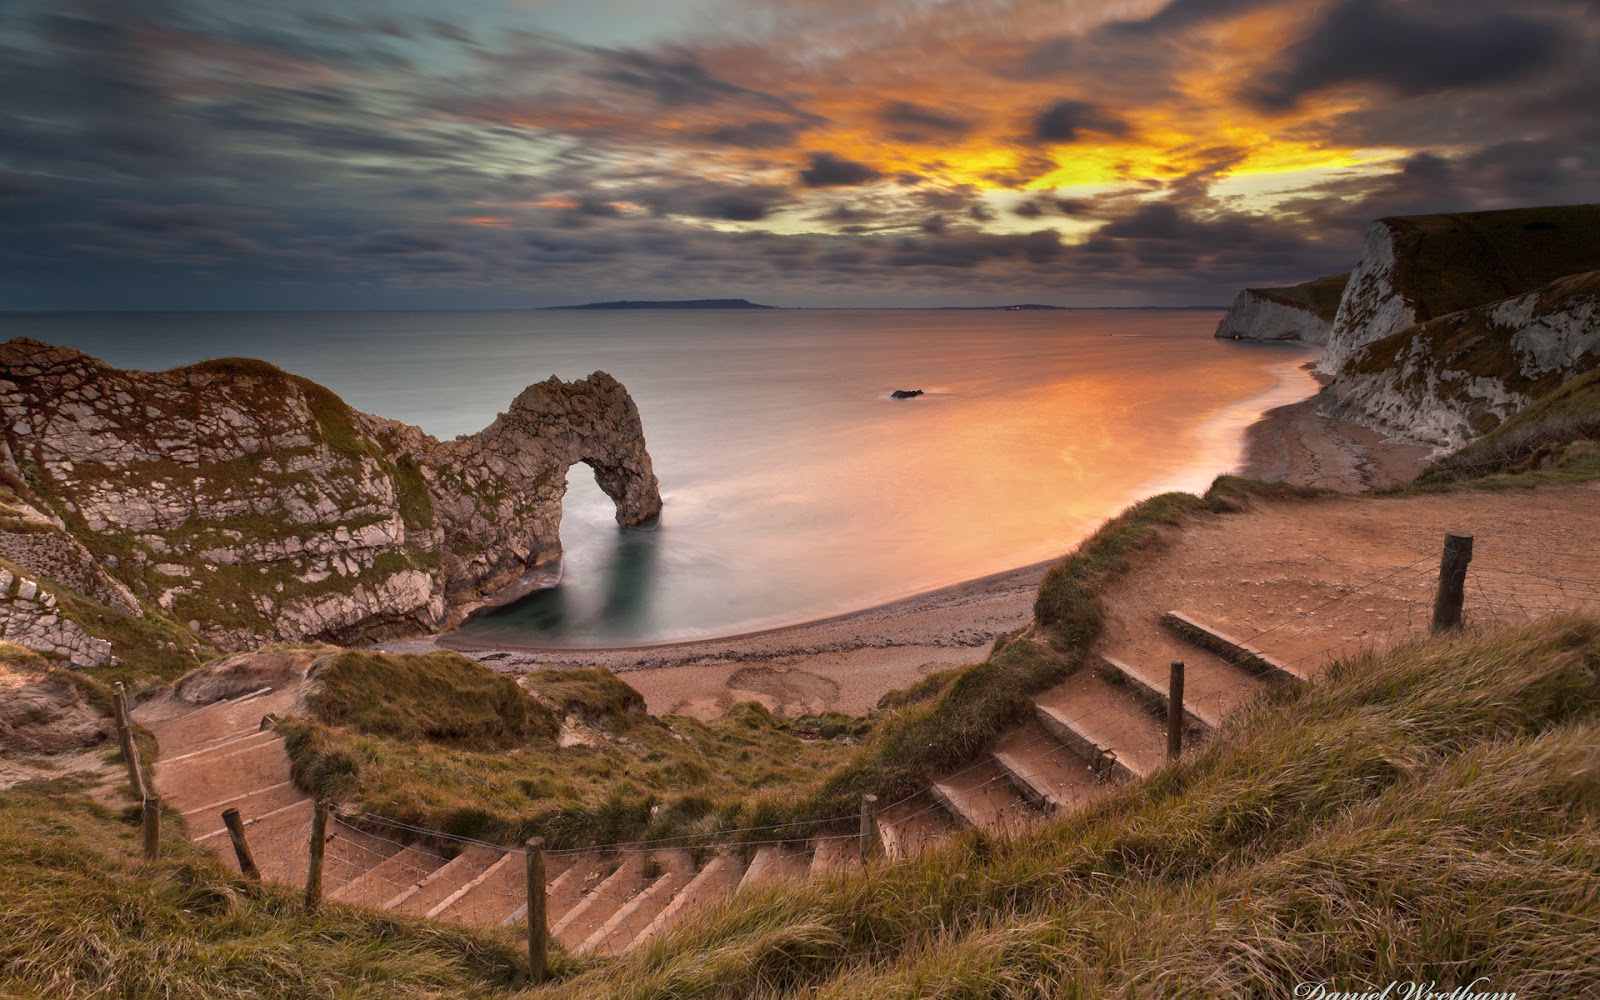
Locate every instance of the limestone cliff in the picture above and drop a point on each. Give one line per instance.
(1446, 381)
(1302, 312)
(255, 505)
(1418, 268)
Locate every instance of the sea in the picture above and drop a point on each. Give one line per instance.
(795, 486)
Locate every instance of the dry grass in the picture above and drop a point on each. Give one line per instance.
(1430, 814)
(440, 742)
(82, 915)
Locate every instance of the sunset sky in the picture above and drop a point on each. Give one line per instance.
(507, 153)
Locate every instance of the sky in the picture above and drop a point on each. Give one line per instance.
(399, 154)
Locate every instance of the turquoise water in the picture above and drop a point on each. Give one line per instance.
(794, 487)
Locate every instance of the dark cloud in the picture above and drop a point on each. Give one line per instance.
(736, 206)
(448, 31)
(679, 80)
(14, 187)
(1180, 15)
(915, 122)
(966, 250)
(1367, 42)
(756, 134)
(398, 241)
(829, 170)
(1066, 121)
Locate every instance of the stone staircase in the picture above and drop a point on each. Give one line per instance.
(1104, 725)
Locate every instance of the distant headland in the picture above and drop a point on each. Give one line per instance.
(671, 304)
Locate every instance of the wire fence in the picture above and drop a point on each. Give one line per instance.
(604, 898)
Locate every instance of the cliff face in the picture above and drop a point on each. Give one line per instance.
(1447, 380)
(1297, 313)
(1419, 268)
(254, 505)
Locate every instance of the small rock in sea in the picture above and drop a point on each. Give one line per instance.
(906, 393)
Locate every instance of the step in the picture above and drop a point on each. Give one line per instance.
(280, 841)
(200, 781)
(472, 861)
(581, 874)
(399, 872)
(197, 728)
(716, 882)
(1048, 772)
(776, 863)
(1201, 713)
(507, 872)
(835, 854)
(1235, 651)
(982, 797)
(617, 934)
(220, 746)
(350, 853)
(206, 821)
(1105, 724)
(908, 828)
(600, 903)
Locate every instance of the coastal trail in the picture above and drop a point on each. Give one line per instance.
(1270, 594)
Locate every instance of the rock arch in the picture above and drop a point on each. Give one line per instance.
(512, 477)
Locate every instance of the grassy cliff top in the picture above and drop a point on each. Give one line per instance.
(1456, 261)
(1320, 295)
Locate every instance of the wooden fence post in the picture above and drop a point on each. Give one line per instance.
(1175, 711)
(241, 846)
(869, 827)
(319, 844)
(152, 828)
(130, 749)
(538, 929)
(1452, 583)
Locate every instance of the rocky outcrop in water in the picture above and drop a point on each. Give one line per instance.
(1302, 312)
(254, 505)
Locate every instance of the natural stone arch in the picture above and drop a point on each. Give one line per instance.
(513, 475)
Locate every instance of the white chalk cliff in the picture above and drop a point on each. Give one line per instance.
(1302, 313)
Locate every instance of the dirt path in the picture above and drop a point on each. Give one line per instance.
(1309, 580)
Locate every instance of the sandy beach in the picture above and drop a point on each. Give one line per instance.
(848, 662)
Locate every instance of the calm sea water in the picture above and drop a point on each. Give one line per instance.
(794, 486)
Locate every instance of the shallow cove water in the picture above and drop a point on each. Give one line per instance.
(795, 486)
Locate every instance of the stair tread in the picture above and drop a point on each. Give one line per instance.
(208, 724)
(386, 880)
(207, 820)
(473, 861)
(1053, 772)
(1222, 635)
(583, 872)
(982, 796)
(495, 894)
(597, 906)
(279, 840)
(1212, 686)
(908, 828)
(715, 882)
(1109, 718)
(200, 781)
(835, 854)
(776, 863)
(630, 920)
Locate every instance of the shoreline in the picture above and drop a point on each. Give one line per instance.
(846, 662)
